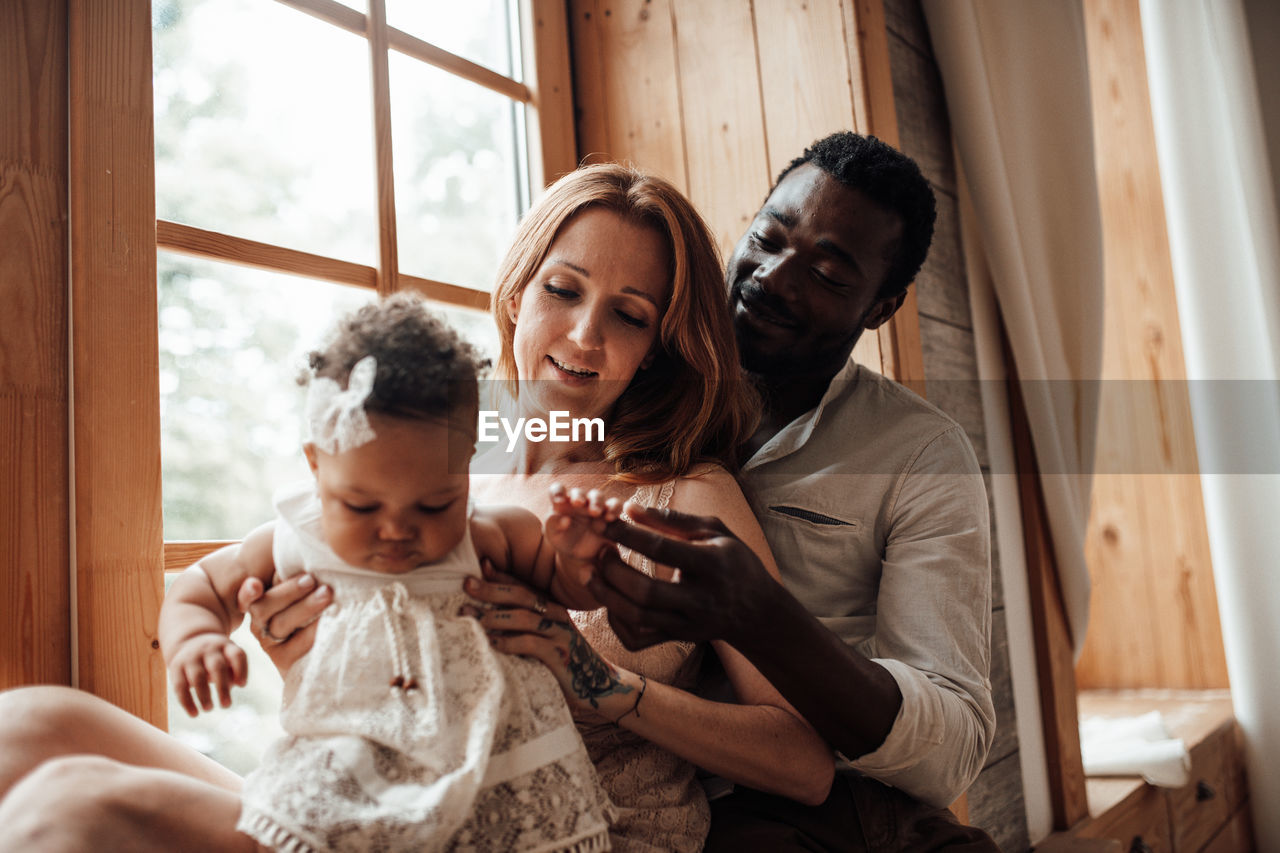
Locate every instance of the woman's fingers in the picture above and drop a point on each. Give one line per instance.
(514, 595)
(519, 620)
(286, 607)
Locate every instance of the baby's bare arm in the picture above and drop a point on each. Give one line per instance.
(515, 545)
(199, 613)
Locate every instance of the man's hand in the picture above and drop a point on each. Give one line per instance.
(283, 618)
(722, 590)
(204, 660)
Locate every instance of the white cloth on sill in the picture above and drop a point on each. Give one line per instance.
(1134, 746)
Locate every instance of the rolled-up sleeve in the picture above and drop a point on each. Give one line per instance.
(933, 625)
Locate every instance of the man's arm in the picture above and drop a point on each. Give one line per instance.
(726, 593)
(911, 705)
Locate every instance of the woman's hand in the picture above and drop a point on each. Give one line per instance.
(520, 621)
(283, 618)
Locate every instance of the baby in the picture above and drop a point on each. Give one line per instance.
(405, 729)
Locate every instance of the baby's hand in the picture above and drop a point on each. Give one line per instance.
(575, 529)
(207, 658)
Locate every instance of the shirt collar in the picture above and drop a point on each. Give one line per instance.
(794, 435)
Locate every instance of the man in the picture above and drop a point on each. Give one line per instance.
(874, 507)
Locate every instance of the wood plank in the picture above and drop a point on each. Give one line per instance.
(116, 417)
(1235, 837)
(189, 240)
(996, 804)
(872, 86)
(638, 90)
(724, 133)
(388, 253)
(1054, 659)
(1143, 815)
(402, 42)
(1147, 545)
(178, 555)
(804, 75)
(451, 294)
(553, 149)
(35, 635)
(590, 109)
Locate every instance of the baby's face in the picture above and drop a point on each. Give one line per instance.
(400, 500)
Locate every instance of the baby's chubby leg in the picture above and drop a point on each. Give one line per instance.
(575, 529)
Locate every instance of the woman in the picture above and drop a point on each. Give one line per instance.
(610, 305)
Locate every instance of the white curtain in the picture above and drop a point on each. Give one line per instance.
(1225, 246)
(1017, 87)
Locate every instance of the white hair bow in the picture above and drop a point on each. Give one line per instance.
(336, 417)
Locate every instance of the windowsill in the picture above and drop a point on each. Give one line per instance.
(1209, 813)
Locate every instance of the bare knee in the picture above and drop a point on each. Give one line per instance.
(68, 803)
(46, 711)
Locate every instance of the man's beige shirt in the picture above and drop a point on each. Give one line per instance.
(875, 509)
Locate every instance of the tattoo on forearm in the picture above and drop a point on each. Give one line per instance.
(592, 677)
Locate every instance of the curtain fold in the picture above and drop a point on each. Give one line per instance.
(1224, 241)
(1016, 78)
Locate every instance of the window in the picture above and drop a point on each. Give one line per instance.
(267, 219)
(274, 125)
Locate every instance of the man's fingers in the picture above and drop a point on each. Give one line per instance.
(614, 574)
(682, 525)
(653, 544)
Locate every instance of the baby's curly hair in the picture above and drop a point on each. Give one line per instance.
(425, 369)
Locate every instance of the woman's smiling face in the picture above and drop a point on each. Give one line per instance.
(589, 317)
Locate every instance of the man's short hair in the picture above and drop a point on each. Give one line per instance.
(889, 178)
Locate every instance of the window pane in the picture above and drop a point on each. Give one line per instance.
(232, 342)
(263, 126)
(479, 30)
(456, 174)
(235, 737)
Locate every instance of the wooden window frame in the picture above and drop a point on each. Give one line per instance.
(118, 555)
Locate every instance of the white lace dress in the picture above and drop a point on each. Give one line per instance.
(660, 805)
(406, 731)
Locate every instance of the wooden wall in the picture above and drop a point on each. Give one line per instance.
(693, 91)
(35, 628)
(951, 372)
(1154, 612)
(718, 96)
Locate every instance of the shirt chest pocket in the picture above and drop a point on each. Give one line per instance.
(824, 558)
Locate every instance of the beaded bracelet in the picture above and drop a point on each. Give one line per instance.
(635, 709)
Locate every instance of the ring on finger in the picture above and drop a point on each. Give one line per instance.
(540, 606)
(264, 633)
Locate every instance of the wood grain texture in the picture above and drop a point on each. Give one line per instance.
(116, 421)
(724, 135)
(1154, 617)
(35, 633)
(1053, 647)
(179, 555)
(388, 239)
(805, 82)
(626, 84)
(190, 240)
(996, 804)
(553, 149)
